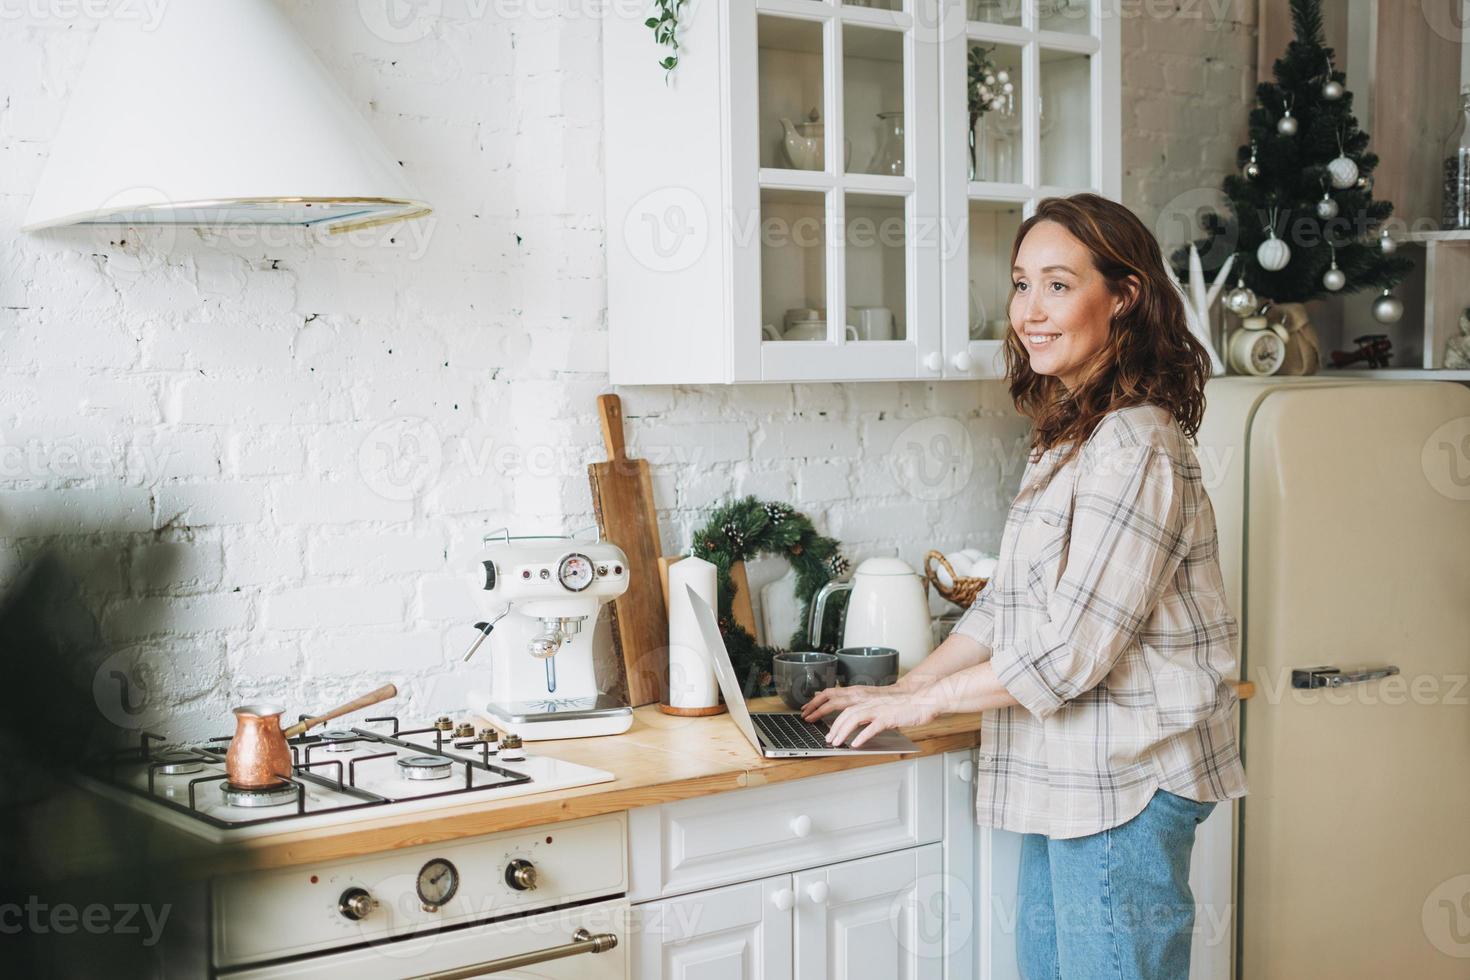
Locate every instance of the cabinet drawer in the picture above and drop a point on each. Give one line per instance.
(751, 833)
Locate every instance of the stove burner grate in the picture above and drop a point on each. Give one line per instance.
(480, 774)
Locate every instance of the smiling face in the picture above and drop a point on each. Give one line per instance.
(1061, 305)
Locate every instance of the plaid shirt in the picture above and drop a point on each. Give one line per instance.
(1107, 621)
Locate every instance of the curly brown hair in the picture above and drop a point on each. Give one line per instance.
(1150, 355)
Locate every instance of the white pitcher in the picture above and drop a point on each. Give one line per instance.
(888, 608)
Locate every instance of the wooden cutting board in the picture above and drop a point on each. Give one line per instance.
(622, 498)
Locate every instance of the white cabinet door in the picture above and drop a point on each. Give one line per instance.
(961, 871)
(1029, 102)
(742, 932)
(877, 918)
(834, 182)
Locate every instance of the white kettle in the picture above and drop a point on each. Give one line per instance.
(888, 608)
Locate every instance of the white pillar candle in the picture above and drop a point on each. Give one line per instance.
(691, 672)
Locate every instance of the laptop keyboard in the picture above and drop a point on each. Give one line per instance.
(790, 732)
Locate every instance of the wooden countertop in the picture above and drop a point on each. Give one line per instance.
(660, 759)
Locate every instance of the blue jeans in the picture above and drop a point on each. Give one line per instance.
(1114, 904)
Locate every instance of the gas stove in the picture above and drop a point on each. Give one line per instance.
(338, 776)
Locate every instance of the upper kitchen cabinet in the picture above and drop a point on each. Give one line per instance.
(808, 197)
(1030, 107)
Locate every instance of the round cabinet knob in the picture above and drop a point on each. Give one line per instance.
(963, 361)
(818, 891)
(802, 825)
(355, 904)
(520, 874)
(933, 361)
(783, 899)
(963, 771)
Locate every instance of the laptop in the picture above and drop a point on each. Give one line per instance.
(779, 734)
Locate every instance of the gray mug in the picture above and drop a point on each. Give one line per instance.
(868, 666)
(799, 676)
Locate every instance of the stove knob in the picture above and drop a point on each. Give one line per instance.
(520, 874)
(355, 904)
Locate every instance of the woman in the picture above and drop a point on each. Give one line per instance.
(1099, 651)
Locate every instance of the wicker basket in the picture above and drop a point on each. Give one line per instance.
(962, 592)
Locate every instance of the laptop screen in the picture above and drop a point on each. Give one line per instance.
(714, 643)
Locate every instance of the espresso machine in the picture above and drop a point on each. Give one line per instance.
(546, 594)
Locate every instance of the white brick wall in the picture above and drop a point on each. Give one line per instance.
(196, 422)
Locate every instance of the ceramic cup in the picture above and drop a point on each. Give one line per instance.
(867, 666)
(871, 322)
(799, 676)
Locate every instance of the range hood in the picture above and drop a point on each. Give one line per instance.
(217, 114)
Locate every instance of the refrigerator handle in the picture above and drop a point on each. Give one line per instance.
(1312, 677)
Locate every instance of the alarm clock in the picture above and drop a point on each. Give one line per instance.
(1257, 346)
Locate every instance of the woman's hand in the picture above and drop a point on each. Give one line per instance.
(832, 699)
(871, 714)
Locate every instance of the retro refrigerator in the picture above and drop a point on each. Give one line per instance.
(1343, 511)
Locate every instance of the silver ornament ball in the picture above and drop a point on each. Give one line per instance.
(1273, 254)
(1326, 208)
(1333, 279)
(1343, 172)
(1240, 300)
(1252, 170)
(1386, 244)
(1387, 308)
(1332, 91)
(1286, 125)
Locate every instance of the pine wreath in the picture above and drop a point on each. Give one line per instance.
(745, 529)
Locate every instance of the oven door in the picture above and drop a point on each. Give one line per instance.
(560, 945)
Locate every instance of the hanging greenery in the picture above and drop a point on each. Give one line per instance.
(665, 27)
(746, 529)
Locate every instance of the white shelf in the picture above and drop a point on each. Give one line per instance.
(1396, 374)
(1421, 237)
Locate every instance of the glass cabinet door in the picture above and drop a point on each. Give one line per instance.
(834, 130)
(1029, 98)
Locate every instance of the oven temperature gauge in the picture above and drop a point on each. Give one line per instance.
(575, 572)
(438, 881)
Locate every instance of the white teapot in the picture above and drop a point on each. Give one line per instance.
(806, 143)
(888, 608)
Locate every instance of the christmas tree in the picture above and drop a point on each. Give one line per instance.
(1305, 180)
